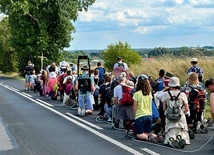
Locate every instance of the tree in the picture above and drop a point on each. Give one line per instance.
(123, 50)
(8, 55)
(41, 26)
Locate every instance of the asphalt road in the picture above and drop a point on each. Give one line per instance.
(33, 125)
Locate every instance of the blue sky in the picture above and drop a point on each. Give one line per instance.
(145, 24)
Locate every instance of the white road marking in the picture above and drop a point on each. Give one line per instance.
(84, 121)
(149, 151)
(121, 145)
(50, 105)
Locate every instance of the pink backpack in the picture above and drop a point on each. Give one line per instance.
(68, 88)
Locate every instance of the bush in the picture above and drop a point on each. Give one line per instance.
(123, 50)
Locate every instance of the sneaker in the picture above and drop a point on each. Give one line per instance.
(181, 141)
(116, 125)
(173, 143)
(109, 120)
(198, 127)
(83, 112)
(79, 111)
(191, 134)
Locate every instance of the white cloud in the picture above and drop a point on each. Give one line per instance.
(119, 19)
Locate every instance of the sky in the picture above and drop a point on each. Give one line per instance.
(145, 24)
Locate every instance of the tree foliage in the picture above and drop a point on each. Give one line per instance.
(41, 26)
(7, 53)
(182, 51)
(123, 50)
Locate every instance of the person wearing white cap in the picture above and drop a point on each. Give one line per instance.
(195, 68)
(178, 127)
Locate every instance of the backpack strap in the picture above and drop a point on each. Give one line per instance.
(176, 98)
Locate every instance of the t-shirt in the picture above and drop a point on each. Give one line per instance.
(118, 92)
(144, 104)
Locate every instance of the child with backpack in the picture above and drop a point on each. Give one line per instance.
(175, 106)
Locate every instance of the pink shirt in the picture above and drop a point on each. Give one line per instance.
(51, 82)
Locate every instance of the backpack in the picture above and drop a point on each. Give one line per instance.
(110, 91)
(68, 88)
(196, 99)
(55, 87)
(126, 96)
(121, 65)
(173, 111)
(29, 69)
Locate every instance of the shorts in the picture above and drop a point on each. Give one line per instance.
(27, 78)
(143, 124)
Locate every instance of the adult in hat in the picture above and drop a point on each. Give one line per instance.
(85, 86)
(179, 127)
(195, 68)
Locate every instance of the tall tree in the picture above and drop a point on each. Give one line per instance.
(7, 53)
(41, 26)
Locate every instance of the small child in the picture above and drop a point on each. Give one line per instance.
(32, 80)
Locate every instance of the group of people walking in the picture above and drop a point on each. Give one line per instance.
(159, 110)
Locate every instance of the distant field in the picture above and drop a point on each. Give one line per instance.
(178, 66)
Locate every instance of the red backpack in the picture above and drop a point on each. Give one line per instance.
(127, 96)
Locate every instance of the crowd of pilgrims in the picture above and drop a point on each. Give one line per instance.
(98, 90)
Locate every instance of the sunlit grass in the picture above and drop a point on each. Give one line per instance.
(177, 66)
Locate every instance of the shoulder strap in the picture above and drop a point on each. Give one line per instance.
(176, 98)
(170, 95)
(178, 95)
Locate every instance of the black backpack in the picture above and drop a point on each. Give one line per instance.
(121, 65)
(110, 91)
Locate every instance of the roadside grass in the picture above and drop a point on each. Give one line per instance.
(12, 75)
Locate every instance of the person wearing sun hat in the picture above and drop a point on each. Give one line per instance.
(174, 128)
(195, 68)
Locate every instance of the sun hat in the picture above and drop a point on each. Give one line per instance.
(63, 64)
(194, 60)
(168, 75)
(52, 75)
(85, 68)
(174, 82)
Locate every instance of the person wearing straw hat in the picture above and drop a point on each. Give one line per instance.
(195, 68)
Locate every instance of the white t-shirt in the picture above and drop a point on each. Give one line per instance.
(118, 92)
(125, 65)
